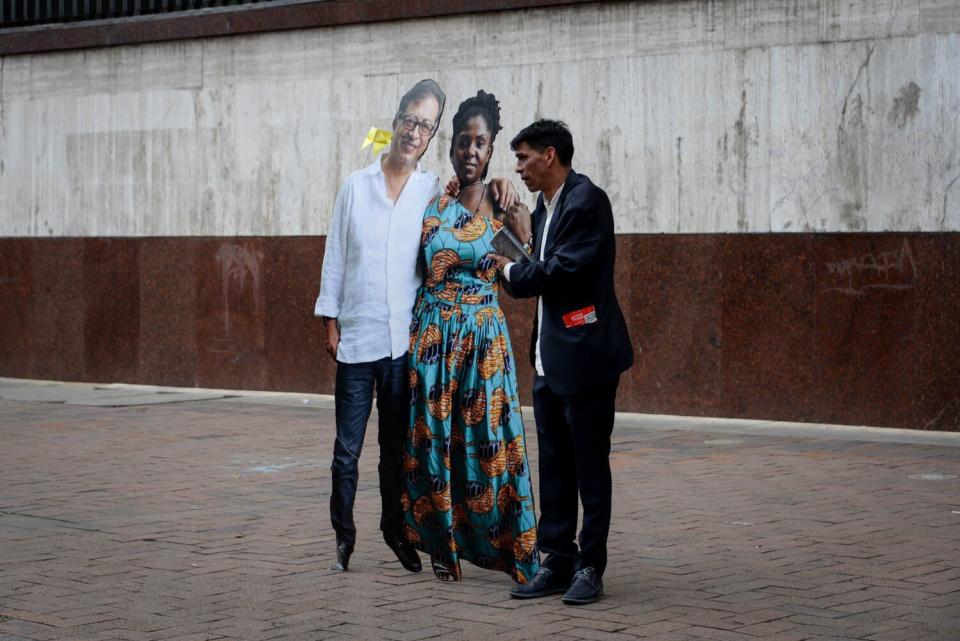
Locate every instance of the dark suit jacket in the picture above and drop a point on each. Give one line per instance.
(576, 272)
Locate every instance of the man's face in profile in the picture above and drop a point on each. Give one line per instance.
(414, 128)
(533, 166)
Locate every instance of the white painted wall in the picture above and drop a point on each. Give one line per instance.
(696, 116)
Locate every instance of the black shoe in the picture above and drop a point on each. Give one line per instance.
(544, 583)
(587, 587)
(405, 552)
(343, 557)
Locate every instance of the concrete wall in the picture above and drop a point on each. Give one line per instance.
(785, 176)
(698, 117)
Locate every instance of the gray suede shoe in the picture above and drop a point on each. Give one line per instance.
(544, 583)
(587, 587)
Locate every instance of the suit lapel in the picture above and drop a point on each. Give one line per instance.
(539, 218)
(558, 212)
(554, 221)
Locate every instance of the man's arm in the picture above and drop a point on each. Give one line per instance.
(518, 219)
(579, 238)
(331, 339)
(332, 274)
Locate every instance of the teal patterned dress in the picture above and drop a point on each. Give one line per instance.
(467, 482)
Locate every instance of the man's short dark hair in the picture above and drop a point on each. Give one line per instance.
(547, 133)
(421, 90)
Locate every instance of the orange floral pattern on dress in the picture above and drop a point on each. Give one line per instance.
(467, 490)
(473, 229)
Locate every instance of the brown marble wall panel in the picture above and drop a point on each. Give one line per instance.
(936, 388)
(111, 287)
(847, 328)
(767, 329)
(669, 288)
(230, 313)
(168, 337)
(866, 302)
(57, 310)
(15, 295)
(296, 360)
(520, 314)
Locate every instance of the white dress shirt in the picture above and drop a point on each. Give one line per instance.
(551, 206)
(369, 280)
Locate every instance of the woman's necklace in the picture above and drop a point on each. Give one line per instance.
(482, 194)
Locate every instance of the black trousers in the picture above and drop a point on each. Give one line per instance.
(574, 439)
(353, 399)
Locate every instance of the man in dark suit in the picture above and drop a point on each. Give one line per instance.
(579, 348)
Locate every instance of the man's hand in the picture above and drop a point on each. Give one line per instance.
(332, 340)
(503, 193)
(517, 219)
(453, 187)
(501, 261)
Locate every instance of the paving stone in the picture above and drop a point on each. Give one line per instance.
(208, 520)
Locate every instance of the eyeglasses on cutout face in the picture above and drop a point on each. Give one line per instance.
(409, 123)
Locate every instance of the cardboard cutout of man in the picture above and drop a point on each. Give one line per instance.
(367, 291)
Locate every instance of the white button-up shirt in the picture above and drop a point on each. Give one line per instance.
(369, 280)
(551, 206)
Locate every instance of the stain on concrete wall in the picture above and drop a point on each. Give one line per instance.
(905, 106)
(698, 117)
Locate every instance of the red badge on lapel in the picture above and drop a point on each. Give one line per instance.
(580, 317)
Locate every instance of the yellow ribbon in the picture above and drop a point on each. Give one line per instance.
(378, 138)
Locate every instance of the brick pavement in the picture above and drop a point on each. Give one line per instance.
(208, 520)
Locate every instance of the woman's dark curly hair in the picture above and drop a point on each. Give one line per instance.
(484, 105)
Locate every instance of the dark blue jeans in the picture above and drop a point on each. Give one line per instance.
(355, 385)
